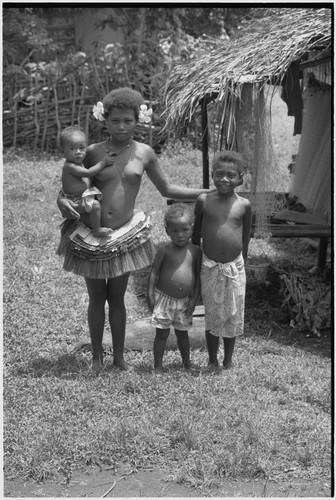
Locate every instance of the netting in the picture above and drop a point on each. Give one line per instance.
(245, 126)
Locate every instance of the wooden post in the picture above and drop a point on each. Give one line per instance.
(322, 252)
(205, 144)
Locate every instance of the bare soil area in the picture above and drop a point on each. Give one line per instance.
(106, 483)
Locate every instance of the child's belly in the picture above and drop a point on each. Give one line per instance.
(222, 245)
(177, 284)
(76, 186)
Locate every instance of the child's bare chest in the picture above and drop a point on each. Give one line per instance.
(228, 214)
(178, 261)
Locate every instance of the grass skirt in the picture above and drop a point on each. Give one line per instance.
(128, 249)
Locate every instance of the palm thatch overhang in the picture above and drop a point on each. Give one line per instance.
(261, 54)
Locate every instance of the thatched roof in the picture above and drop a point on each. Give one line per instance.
(262, 52)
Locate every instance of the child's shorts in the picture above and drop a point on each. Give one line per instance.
(170, 312)
(85, 201)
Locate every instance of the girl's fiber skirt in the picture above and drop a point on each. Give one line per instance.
(128, 248)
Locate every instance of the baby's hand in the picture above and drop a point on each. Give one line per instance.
(150, 301)
(108, 160)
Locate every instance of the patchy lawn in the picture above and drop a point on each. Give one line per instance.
(268, 418)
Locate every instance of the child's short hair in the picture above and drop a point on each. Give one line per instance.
(177, 210)
(123, 98)
(231, 156)
(69, 132)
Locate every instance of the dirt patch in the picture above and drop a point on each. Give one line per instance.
(154, 483)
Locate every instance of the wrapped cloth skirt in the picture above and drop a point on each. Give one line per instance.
(223, 291)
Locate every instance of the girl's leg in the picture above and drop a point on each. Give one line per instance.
(229, 344)
(97, 291)
(159, 346)
(116, 289)
(184, 346)
(212, 345)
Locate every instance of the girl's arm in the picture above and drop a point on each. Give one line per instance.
(196, 236)
(163, 185)
(246, 227)
(153, 276)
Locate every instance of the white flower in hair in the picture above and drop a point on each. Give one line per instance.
(98, 111)
(145, 114)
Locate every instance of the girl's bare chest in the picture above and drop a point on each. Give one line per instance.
(126, 172)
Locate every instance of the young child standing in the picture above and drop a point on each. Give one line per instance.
(76, 179)
(174, 284)
(223, 222)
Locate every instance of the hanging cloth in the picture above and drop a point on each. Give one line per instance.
(312, 178)
(291, 94)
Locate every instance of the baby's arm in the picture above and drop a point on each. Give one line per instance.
(80, 171)
(153, 276)
(196, 236)
(246, 227)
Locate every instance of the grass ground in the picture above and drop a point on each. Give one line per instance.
(270, 417)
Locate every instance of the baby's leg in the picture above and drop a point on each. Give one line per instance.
(159, 347)
(95, 216)
(229, 344)
(212, 345)
(184, 346)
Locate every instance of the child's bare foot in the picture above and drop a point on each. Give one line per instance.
(102, 231)
(212, 367)
(122, 365)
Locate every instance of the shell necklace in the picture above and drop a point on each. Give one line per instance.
(112, 155)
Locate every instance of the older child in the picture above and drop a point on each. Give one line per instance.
(107, 276)
(76, 179)
(174, 284)
(223, 221)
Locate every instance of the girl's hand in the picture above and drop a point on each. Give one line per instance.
(67, 208)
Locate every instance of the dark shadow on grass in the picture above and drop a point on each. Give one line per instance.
(69, 364)
(265, 317)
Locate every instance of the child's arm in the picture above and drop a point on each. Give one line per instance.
(80, 171)
(153, 276)
(246, 227)
(196, 236)
(197, 288)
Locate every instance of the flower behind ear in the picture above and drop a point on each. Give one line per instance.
(98, 111)
(145, 114)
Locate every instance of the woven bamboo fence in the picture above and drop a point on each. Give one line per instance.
(54, 105)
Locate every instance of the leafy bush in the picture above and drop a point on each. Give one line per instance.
(307, 299)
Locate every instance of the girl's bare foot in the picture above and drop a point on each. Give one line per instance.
(227, 365)
(97, 365)
(122, 365)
